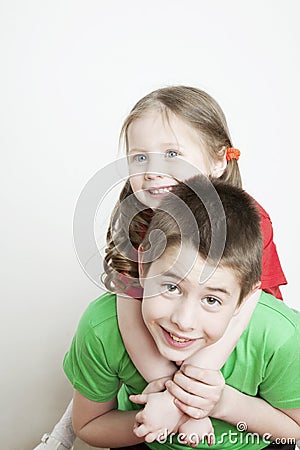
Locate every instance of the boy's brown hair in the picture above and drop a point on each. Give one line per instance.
(227, 230)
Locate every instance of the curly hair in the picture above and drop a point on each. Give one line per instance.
(128, 224)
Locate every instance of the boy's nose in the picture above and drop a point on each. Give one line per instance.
(185, 316)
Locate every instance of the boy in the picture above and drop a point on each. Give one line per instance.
(183, 314)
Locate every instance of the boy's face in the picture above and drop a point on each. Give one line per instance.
(181, 314)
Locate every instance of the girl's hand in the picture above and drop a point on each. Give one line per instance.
(196, 431)
(196, 391)
(154, 386)
(160, 417)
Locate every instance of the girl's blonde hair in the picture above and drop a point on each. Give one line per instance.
(200, 111)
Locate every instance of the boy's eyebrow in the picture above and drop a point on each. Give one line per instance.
(174, 275)
(181, 279)
(218, 289)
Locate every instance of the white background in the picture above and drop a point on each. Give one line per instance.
(70, 72)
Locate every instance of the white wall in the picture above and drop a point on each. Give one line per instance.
(70, 72)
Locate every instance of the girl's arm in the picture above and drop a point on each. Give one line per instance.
(138, 341)
(258, 415)
(215, 355)
(101, 424)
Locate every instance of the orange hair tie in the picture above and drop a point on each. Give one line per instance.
(232, 153)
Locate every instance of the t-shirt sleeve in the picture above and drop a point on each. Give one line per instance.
(272, 273)
(87, 367)
(281, 383)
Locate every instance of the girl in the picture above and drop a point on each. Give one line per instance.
(178, 126)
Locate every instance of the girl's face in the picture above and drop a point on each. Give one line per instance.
(163, 150)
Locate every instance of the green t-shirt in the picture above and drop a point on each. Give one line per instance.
(265, 363)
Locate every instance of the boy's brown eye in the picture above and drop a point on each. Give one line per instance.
(172, 288)
(212, 301)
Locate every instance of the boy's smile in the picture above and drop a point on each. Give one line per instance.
(181, 314)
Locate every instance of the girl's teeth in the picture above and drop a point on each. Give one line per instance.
(160, 191)
(178, 339)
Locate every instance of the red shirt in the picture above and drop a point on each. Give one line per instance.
(272, 274)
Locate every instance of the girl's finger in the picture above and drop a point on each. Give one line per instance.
(140, 399)
(141, 431)
(156, 385)
(188, 399)
(139, 418)
(195, 413)
(154, 436)
(205, 376)
(189, 385)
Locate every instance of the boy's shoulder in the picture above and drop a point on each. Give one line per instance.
(100, 317)
(273, 316)
(273, 325)
(266, 359)
(101, 309)
(98, 331)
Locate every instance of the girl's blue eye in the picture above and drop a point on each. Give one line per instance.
(171, 154)
(140, 158)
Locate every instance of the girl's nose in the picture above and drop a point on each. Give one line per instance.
(152, 175)
(156, 167)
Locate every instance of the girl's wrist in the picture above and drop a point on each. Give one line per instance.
(224, 405)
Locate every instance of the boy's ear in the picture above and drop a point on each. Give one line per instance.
(140, 264)
(250, 299)
(219, 166)
(256, 287)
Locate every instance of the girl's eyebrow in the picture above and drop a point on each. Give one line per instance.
(176, 146)
(136, 150)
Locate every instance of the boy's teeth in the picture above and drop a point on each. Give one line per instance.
(178, 339)
(160, 190)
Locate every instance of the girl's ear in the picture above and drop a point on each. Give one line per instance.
(219, 166)
(140, 264)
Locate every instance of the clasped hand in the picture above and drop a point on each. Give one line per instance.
(184, 407)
